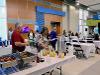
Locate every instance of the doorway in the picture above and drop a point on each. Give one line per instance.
(57, 25)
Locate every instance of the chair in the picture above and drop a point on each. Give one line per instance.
(67, 44)
(78, 51)
(74, 40)
(82, 41)
(89, 41)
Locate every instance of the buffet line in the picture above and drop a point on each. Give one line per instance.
(16, 62)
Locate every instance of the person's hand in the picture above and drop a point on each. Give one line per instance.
(46, 47)
(27, 44)
(26, 40)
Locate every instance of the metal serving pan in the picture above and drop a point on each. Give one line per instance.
(28, 58)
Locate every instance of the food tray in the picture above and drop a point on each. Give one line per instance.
(28, 58)
(8, 63)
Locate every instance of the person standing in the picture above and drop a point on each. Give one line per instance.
(64, 33)
(9, 35)
(31, 37)
(37, 35)
(18, 44)
(53, 37)
(43, 40)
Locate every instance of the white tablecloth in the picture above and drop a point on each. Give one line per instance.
(89, 38)
(5, 50)
(88, 48)
(46, 66)
(97, 43)
(73, 37)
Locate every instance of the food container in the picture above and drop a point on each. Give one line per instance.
(20, 59)
(9, 64)
(7, 61)
(27, 57)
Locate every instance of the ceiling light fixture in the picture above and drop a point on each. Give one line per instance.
(77, 2)
(88, 8)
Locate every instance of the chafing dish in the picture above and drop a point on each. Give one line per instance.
(7, 61)
(27, 57)
(12, 60)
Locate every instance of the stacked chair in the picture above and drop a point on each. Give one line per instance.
(81, 41)
(78, 51)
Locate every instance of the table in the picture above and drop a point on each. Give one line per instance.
(5, 50)
(44, 67)
(89, 38)
(73, 37)
(88, 48)
(97, 43)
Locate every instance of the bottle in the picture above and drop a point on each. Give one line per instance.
(37, 60)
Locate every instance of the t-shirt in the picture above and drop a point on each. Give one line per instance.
(31, 36)
(10, 34)
(53, 35)
(16, 37)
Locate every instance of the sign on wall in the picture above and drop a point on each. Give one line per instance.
(96, 17)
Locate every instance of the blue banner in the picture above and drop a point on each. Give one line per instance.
(96, 17)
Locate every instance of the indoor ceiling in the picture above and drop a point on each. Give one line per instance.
(92, 4)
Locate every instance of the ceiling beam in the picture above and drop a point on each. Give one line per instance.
(94, 4)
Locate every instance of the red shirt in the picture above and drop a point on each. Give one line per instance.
(16, 37)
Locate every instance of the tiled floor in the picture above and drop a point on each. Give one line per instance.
(89, 66)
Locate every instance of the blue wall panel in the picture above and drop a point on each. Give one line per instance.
(40, 11)
(39, 20)
(50, 11)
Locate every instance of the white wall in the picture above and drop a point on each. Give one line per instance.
(65, 18)
(74, 19)
(71, 19)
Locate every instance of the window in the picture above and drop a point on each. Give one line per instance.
(80, 22)
(3, 20)
(80, 14)
(83, 14)
(2, 3)
(2, 12)
(3, 29)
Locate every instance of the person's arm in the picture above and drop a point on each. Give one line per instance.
(17, 41)
(21, 44)
(40, 41)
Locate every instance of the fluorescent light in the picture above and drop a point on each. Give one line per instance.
(77, 2)
(88, 8)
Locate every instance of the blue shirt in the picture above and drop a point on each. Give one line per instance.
(53, 35)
